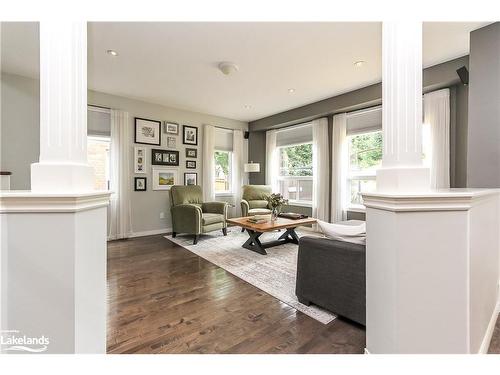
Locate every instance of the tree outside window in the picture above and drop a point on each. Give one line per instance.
(222, 171)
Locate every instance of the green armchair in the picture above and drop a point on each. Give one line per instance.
(254, 200)
(193, 216)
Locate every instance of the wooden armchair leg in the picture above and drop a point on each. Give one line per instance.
(195, 239)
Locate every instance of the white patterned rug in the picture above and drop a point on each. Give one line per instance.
(274, 273)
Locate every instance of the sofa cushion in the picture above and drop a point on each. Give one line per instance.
(207, 219)
(258, 204)
(259, 211)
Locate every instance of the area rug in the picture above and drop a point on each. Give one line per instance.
(274, 273)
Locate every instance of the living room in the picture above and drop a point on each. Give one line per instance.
(204, 146)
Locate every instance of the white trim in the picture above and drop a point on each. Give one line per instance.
(485, 344)
(437, 200)
(224, 194)
(26, 201)
(357, 208)
(299, 203)
(150, 232)
(367, 351)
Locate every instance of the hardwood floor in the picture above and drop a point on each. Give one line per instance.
(164, 299)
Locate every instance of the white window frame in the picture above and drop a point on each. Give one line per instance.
(357, 175)
(107, 170)
(225, 193)
(294, 202)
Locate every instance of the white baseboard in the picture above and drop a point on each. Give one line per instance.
(151, 232)
(485, 345)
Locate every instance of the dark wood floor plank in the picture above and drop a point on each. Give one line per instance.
(164, 299)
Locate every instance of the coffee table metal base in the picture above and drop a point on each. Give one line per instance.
(254, 244)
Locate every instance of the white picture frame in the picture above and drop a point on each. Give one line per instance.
(139, 160)
(171, 128)
(171, 142)
(165, 178)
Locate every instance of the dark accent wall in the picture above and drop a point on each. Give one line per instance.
(257, 154)
(483, 150)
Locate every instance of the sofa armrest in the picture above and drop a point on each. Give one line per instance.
(332, 274)
(245, 207)
(186, 218)
(215, 208)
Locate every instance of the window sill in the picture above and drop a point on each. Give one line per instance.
(226, 194)
(300, 204)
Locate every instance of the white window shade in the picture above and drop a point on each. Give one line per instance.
(98, 122)
(365, 120)
(223, 139)
(294, 135)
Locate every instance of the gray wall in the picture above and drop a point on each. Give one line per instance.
(20, 128)
(20, 142)
(483, 150)
(147, 206)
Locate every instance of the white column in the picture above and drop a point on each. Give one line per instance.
(63, 110)
(402, 167)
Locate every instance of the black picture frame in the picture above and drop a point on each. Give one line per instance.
(185, 129)
(190, 164)
(168, 124)
(136, 179)
(164, 157)
(194, 150)
(191, 174)
(137, 127)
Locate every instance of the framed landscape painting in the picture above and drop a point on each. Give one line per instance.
(164, 178)
(190, 135)
(147, 132)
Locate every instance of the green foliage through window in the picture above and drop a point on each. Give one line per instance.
(365, 151)
(296, 160)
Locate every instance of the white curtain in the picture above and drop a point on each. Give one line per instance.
(208, 163)
(437, 117)
(237, 164)
(272, 160)
(339, 168)
(321, 168)
(120, 223)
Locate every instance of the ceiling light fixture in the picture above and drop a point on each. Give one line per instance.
(291, 91)
(112, 52)
(248, 106)
(359, 64)
(228, 67)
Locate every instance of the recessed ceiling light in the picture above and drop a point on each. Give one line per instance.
(291, 91)
(112, 52)
(248, 106)
(227, 67)
(359, 64)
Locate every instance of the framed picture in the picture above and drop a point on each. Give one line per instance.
(171, 142)
(140, 184)
(190, 135)
(170, 128)
(147, 131)
(190, 178)
(164, 157)
(191, 152)
(139, 159)
(191, 164)
(164, 178)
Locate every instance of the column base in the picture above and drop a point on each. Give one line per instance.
(402, 180)
(61, 178)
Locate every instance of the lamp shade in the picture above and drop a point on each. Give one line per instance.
(252, 167)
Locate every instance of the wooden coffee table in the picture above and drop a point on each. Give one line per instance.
(255, 231)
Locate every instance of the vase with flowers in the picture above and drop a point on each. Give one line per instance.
(276, 201)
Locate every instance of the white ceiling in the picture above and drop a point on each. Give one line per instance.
(175, 64)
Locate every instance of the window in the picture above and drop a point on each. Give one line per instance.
(365, 157)
(222, 172)
(99, 158)
(295, 172)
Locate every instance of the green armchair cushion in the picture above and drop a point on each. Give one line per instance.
(191, 194)
(258, 204)
(208, 219)
(259, 211)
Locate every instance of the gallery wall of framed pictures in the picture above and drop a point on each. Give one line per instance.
(167, 151)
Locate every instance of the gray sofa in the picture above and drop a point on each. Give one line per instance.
(331, 274)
